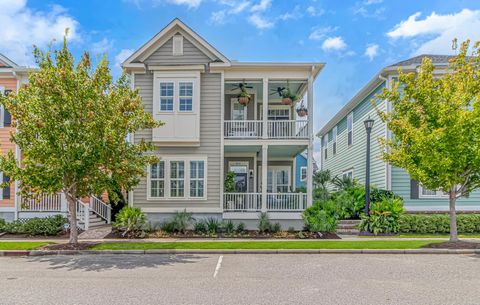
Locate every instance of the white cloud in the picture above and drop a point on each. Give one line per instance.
(370, 2)
(23, 27)
(260, 22)
(368, 9)
(120, 58)
(295, 14)
(321, 32)
(235, 8)
(434, 33)
(261, 6)
(334, 44)
(189, 3)
(371, 51)
(102, 46)
(314, 12)
(218, 17)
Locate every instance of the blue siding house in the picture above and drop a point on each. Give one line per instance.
(343, 149)
(301, 170)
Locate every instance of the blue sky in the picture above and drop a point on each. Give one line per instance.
(354, 38)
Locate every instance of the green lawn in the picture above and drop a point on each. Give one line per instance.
(412, 235)
(22, 245)
(367, 244)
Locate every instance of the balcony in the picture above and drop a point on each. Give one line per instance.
(251, 129)
(276, 202)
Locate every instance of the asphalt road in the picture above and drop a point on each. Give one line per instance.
(241, 279)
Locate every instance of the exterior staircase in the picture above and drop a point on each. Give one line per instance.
(93, 214)
(94, 220)
(348, 227)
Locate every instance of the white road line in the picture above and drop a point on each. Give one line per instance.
(217, 268)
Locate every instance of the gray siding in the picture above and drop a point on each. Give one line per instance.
(210, 138)
(353, 157)
(191, 55)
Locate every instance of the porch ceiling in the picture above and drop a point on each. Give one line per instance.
(274, 151)
(243, 148)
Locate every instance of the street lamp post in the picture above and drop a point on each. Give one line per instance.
(368, 127)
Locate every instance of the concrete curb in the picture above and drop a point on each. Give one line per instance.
(238, 251)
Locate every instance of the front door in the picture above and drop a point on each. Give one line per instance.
(278, 179)
(241, 175)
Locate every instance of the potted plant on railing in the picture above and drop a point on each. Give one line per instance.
(302, 110)
(288, 97)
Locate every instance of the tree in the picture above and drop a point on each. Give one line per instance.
(71, 126)
(435, 122)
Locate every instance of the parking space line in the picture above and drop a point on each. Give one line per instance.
(217, 268)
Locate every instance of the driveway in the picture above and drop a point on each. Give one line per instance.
(241, 279)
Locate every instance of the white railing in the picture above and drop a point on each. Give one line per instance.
(286, 202)
(287, 129)
(101, 208)
(83, 214)
(242, 202)
(243, 129)
(42, 203)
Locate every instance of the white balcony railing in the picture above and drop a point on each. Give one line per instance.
(43, 203)
(243, 129)
(286, 202)
(287, 129)
(242, 202)
(283, 129)
(276, 202)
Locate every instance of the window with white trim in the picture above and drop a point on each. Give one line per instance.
(350, 129)
(303, 173)
(348, 174)
(426, 193)
(177, 178)
(325, 146)
(334, 139)
(166, 96)
(185, 96)
(197, 178)
(157, 180)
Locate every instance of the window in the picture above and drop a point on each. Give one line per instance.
(185, 96)
(282, 182)
(197, 178)
(348, 174)
(350, 129)
(5, 118)
(239, 112)
(166, 96)
(278, 114)
(177, 178)
(157, 180)
(334, 139)
(325, 146)
(426, 193)
(303, 173)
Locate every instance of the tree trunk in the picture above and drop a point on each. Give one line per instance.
(453, 216)
(72, 219)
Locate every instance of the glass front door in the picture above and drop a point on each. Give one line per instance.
(278, 179)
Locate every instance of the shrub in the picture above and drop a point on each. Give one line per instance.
(48, 226)
(438, 223)
(228, 227)
(350, 202)
(14, 227)
(276, 227)
(179, 222)
(200, 227)
(229, 182)
(291, 230)
(214, 226)
(377, 195)
(240, 227)
(2, 225)
(321, 217)
(384, 217)
(131, 222)
(264, 224)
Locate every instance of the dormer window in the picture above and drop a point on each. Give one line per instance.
(177, 45)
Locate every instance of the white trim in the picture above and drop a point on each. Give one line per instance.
(254, 215)
(177, 209)
(274, 169)
(347, 171)
(2, 112)
(334, 140)
(234, 101)
(186, 191)
(200, 68)
(438, 194)
(222, 138)
(350, 117)
(301, 169)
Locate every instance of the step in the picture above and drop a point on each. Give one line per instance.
(348, 232)
(349, 221)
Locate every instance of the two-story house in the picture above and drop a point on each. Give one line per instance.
(209, 131)
(343, 139)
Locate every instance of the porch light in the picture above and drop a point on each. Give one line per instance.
(368, 124)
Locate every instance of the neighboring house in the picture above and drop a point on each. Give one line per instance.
(188, 84)
(301, 170)
(12, 206)
(343, 141)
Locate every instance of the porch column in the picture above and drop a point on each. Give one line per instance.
(265, 108)
(310, 142)
(264, 176)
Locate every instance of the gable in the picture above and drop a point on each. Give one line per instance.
(191, 54)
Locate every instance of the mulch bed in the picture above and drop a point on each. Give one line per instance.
(246, 235)
(79, 246)
(17, 236)
(455, 245)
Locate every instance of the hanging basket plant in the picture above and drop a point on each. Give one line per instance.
(243, 97)
(302, 110)
(288, 97)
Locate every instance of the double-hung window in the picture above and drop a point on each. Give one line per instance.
(303, 173)
(157, 179)
(348, 174)
(177, 178)
(185, 96)
(325, 146)
(426, 193)
(166, 96)
(334, 139)
(350, 129)
(197, 178)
